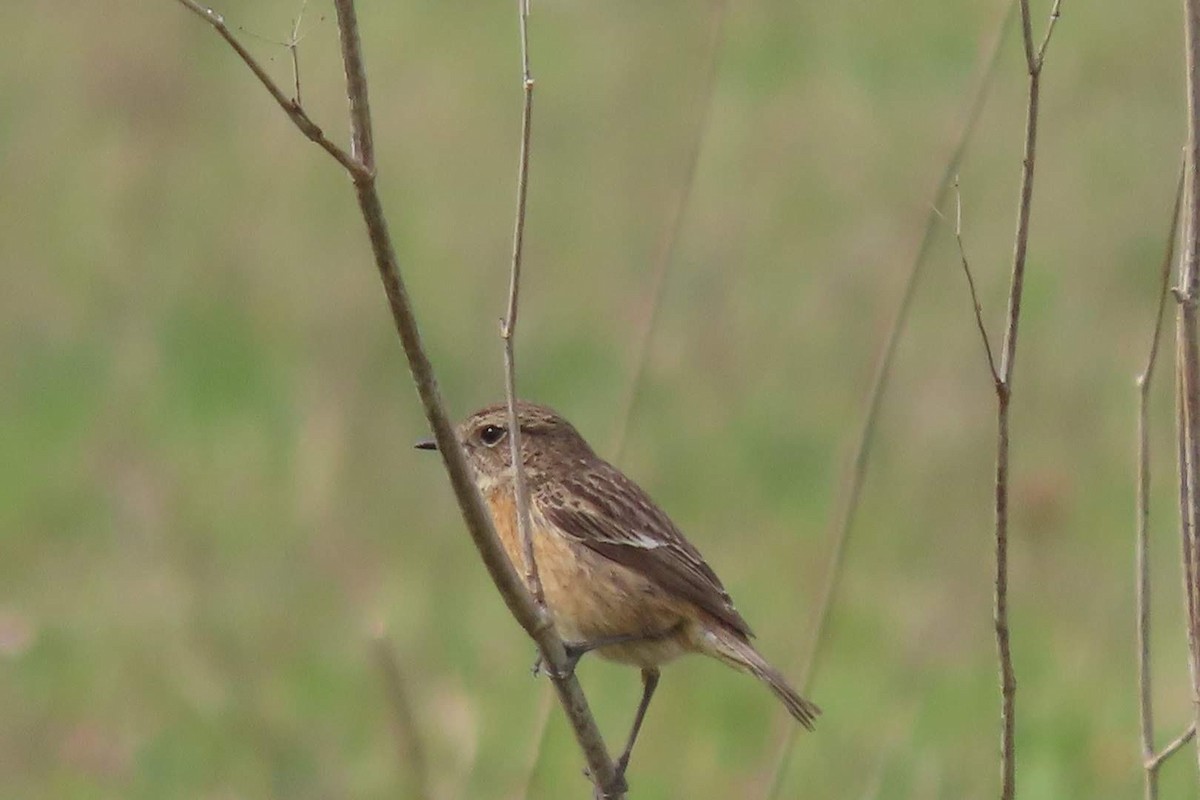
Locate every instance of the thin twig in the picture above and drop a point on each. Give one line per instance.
(1156, 761)
(664, 256)
(1185, 515)
(1004, 386)
(293, 48)
(293, 109)
(360, 166)
(508, 327)
(1188, 293)
(404, 721)
(663, 260)
(841, 523)
(962, 253)
(1145, 698)
(1054, 15)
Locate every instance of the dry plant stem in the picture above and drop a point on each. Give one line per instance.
(360, 165)
(531, 617)
(1188, 293)
(294, 49)
(292, 108)
(663, 260)
(508, 327)
(1145, 700)
(1034, 59)
(1185, 518)
(403, 718)
(838, 531)
(1156, 760)
(664, 256)
(966, 265)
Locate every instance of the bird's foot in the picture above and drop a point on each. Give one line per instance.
(574, 651)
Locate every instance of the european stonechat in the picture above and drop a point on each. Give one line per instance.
(617, 575)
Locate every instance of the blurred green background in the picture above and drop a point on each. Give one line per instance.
(208, 497)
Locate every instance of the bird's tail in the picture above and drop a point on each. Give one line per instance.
(739, 653)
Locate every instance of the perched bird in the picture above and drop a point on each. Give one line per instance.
(617, 575)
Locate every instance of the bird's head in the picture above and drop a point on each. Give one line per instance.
(548, 442)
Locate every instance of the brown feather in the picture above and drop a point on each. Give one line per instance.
(611, 515)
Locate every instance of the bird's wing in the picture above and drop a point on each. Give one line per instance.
(611, 515)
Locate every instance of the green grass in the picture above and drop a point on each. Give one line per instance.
(207, 491)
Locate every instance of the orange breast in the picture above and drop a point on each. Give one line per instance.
(503, 507)
(590, 596)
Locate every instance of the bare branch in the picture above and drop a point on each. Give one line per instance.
(962, 252)
(1008, 681)
(1185, 512)
(1165, 281)
(404, 721)
(841, 523)
(1156, 761)
(1145, 701)
(508, 326)
(1054, 15)
(361, 168)
(1188, 351)
(293, 43)
(362, 137)
(663, 261)
(297, 114)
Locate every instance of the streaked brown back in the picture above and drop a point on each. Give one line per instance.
(609, 513)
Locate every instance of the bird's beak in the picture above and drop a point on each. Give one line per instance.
(426, 444)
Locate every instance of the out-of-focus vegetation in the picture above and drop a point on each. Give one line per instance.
(207, 491)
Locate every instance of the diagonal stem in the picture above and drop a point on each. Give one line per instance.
(1145, 701)
(360, 167)
(842, 522)
(290, 107)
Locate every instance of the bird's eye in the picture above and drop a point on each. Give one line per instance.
(491, 434)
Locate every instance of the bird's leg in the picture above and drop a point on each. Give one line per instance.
(649, 684)
(576, 650)
(619, 785)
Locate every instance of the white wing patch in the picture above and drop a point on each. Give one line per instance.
(644, 541)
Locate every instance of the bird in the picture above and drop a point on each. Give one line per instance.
(618, 576)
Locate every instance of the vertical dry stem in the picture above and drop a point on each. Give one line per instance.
(841, 523)
(1034, 61)
(664, 257)
(1145, 696)
(1187, 294)
(508, 327)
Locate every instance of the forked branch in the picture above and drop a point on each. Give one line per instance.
(360, 165)
(1150, 761)
(1156, 760)
(841, 522)
(1187, 293)
(966, 265)
(290, 107)
(1034, 60)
